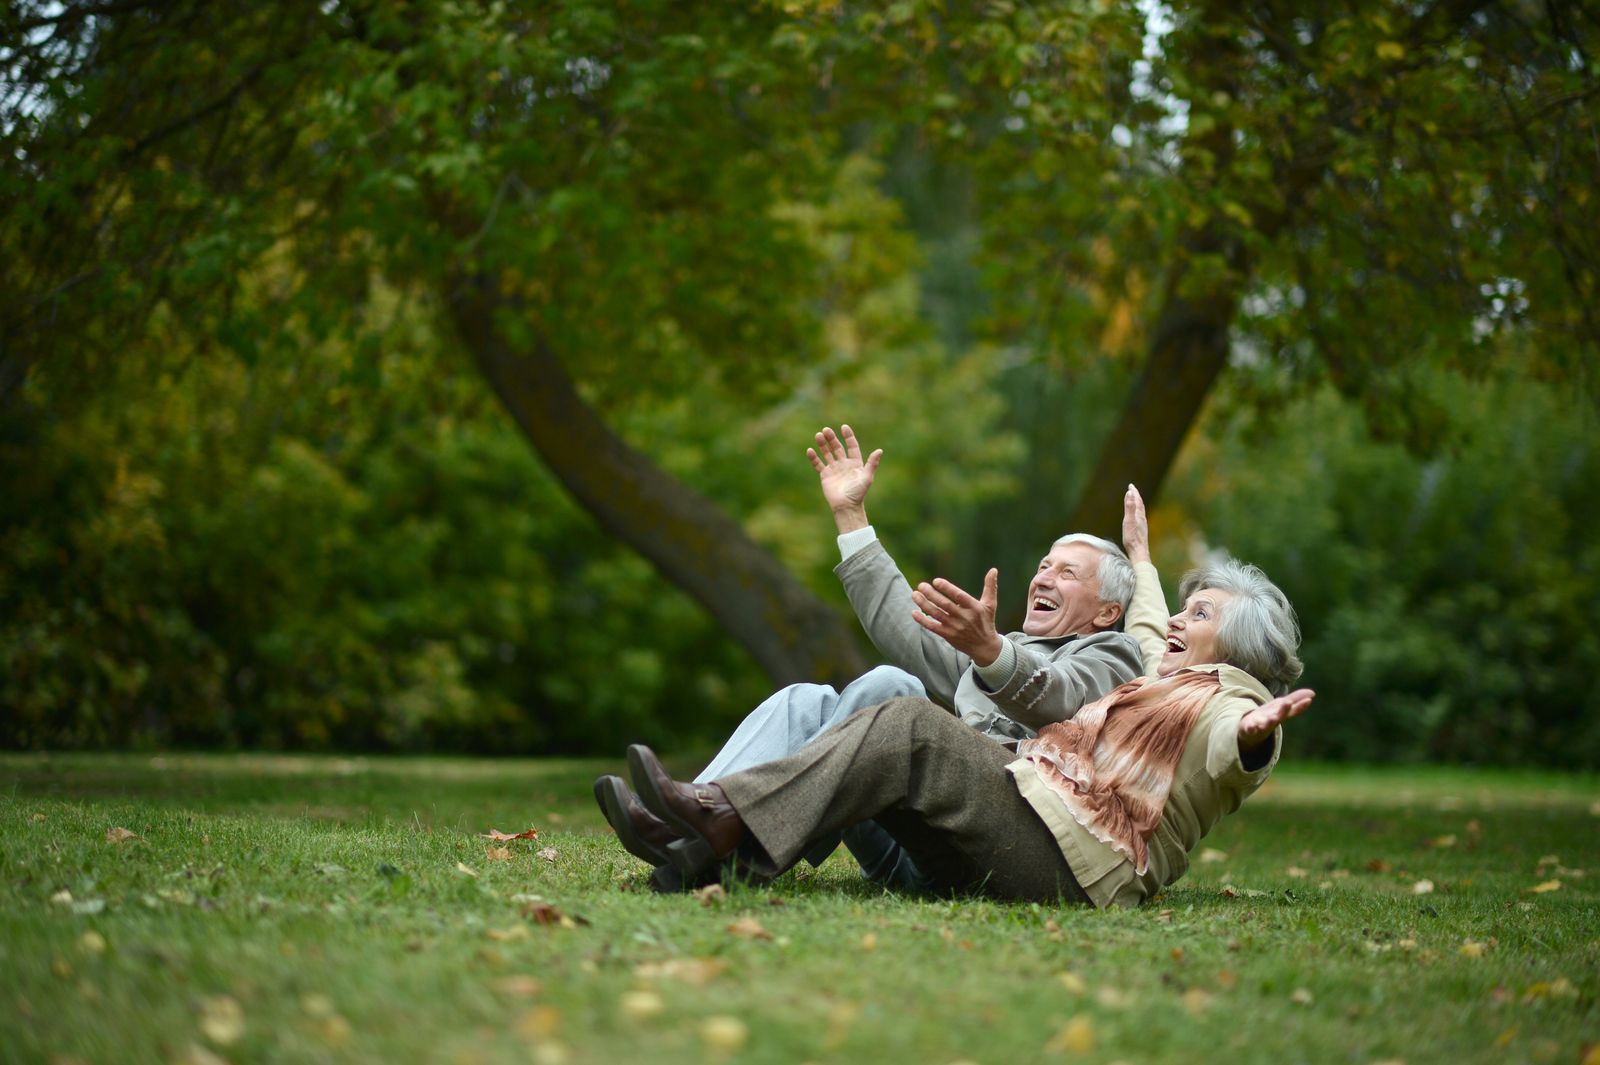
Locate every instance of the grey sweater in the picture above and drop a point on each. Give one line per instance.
(1050, 676)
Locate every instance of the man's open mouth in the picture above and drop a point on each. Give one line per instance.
(1044, 606)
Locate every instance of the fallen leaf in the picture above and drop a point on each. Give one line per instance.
(1112, 998)
(1164, 916)
(696, 972)
(1378, 865)
(1226, 979)
(1545, 887)
(1471, 949)
(724, 1034)
(1422, 887)
(502, 837)
(1211, 854)
(869, 942)
(545, 915)
(1177, 954)
(38, 817)
(548, 854)
(335, 1030)
(498, 854)
(62, 968)
(1196, 1001)
(508, 935)
(92, 942)
(1301, 997)
(519, 986)
(1296, 872)
(711, 894)
(1440, 842)
(639, 1006)
(465, 869)
(540, 1022)
(1072, 982)
(1504, 1039)
(221, 1019)
(1591, 1052)
(1074, 1037)
(749, 928)
(120, 835)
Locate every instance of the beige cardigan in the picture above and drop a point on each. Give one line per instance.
(1210, 783)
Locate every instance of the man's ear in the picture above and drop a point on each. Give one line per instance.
(1106, 616)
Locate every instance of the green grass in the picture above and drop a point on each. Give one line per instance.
(324, 897)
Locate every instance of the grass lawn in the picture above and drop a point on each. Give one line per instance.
(333, 910)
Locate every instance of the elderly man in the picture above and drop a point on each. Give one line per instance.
(946, 647)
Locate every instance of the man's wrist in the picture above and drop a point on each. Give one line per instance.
(849, 519)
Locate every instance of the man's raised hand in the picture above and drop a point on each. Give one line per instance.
(965, 623)
(844, 476)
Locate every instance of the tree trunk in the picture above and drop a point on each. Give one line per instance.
(791, 634)
(1187, 354)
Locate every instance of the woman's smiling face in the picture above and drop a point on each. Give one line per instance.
(1192, 635)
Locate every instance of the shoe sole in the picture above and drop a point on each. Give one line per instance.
(607, 792)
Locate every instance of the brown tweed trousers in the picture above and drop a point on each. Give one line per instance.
(940, 788)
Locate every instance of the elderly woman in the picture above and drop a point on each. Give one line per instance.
(1102, 809)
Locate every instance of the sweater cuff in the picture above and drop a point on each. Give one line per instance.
(855, 540)
(997, 674)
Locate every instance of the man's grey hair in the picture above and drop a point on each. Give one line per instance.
(1116, 572)
(1258, 632)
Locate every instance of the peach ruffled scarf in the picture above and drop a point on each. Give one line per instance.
(1113, 763)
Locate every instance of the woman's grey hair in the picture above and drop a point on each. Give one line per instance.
(1258, 632)
(1116, 572)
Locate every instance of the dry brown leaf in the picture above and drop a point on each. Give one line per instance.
(1422, 887)
(723, 1034)
(519, 986)
(502, 837)
(92, 942)
(1378, 865)
(1440, 842)
(507, 935)
(1113, 998)
(1504, 1039)
(1196, 1001)
(1074, 1037)
(465, 870)
(1301, 996)
(640, 1006)
(545, 915)
(498, 854)
(1072, 982)
(696, 972)
(1226, 979)
(1177, 954)
(869, 942)
(749, 928)
(1591, 1054)
(221, 1019)
(540, 1022)
(1211, 854)
(1297, 872)
(38, 817)
(120, 835)
(548, 854)
(711, 894)
(1545, 887)
(1471, 949)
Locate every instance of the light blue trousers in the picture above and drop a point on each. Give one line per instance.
(794, 716)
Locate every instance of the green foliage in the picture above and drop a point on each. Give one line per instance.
(1446, 602)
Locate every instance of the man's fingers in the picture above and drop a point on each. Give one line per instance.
(991, 590)
(816, 463)
(958, 596)
(836, 450)
(851, 448)
(872, 461)
(930, 600)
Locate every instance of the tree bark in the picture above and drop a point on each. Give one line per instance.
(1187, 354)
(792, 635)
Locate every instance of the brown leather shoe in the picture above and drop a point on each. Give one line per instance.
(642, 833)
(700, 813)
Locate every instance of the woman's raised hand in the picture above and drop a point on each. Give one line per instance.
(1135, 527)
(1257, 724)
